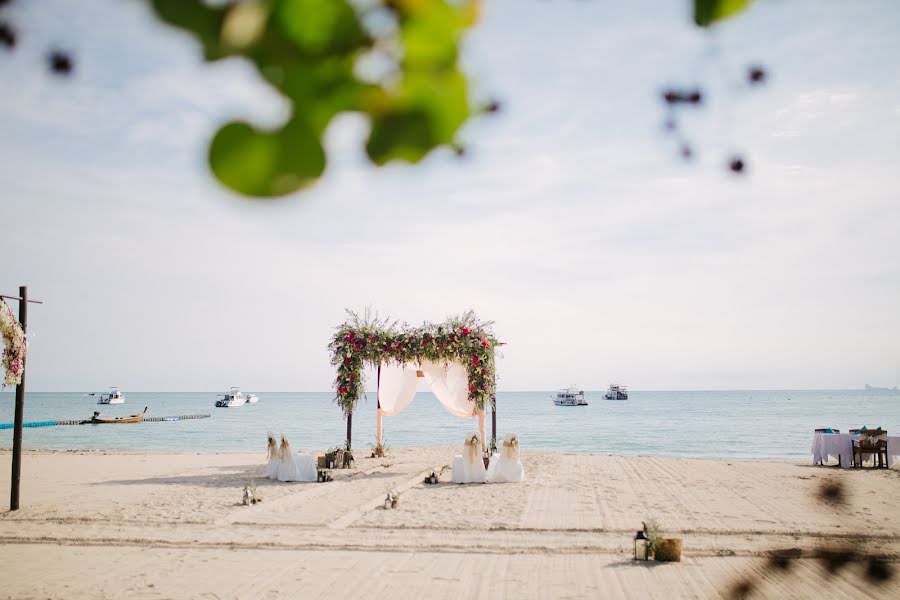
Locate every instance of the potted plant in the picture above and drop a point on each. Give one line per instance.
(662, 549)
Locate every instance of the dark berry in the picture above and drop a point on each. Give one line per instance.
(492, 106)
(7, 35)
(695, 97)
(756, 75)
(60, 63)
(671, 97)
(736, 164)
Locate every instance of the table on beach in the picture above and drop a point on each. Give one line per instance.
(840, 445)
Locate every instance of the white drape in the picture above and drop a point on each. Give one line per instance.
(396, 386)
(448, 381)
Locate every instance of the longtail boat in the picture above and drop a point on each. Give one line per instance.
(97, 419)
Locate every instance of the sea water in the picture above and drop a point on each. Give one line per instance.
(732, 424)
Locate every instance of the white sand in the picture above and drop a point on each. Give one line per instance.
(107, 525)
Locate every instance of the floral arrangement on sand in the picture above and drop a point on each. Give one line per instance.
(13, 346)
(366, 339)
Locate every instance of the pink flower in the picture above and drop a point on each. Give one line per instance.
(486, 343)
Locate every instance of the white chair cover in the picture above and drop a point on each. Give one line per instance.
(295, 467)
(274, 456)
(468, 467)
(506, 466)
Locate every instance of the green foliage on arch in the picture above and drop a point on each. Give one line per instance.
(367, 340)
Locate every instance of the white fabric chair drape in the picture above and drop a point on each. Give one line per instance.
(506, 466)
(448, 381)
(468, 467)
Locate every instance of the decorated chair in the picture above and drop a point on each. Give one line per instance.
(468, 467)
(506, 467)
(872, 443)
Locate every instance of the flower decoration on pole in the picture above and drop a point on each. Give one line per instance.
(13, 346)
(368, 340)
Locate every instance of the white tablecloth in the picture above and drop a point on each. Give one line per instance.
(832, 445)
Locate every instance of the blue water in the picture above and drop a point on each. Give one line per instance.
(758, 424)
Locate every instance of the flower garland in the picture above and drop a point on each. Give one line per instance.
(13, 346)
(367, 339)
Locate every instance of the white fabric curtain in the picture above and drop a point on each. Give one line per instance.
(450, 383)
(396, 386)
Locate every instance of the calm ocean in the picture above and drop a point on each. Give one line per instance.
(753, 424)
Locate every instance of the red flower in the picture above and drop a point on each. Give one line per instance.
(475, 361)
(342, 390)
(472, 388)
(347, 360)
(486, 343)
(357, 346)
(350, 377)
(465, 331)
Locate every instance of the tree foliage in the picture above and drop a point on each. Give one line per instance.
(395, 61)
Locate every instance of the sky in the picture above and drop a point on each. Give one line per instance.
(571, 222)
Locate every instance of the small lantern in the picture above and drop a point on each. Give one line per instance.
(641, 546)
(388, 501)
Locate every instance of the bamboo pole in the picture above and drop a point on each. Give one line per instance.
(379, 414)
(481, 429)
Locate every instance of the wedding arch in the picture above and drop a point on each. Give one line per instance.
(13, 346)
(456, 359)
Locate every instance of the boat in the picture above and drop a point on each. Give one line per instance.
(97, 419)
(570, 396)
(252, 398)
(616, 392)
(113, 397)
(233, 399)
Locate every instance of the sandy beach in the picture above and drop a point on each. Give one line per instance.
(113, 525)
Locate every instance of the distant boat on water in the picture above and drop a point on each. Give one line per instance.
(235, 399)
(616, 392)
(870, 388)
(113, 397)
(570, 396)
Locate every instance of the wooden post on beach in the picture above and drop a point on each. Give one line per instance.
(20, 405)
(349, 429)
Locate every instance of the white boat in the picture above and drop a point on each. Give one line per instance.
(570, 396)
(616, 392)
(113, 397)
(252, 398)
(233, 399)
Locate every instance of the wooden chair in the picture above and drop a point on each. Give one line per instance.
(872, 442)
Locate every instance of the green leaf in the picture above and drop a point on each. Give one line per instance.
(426, 112)
(320, 26)
(707, 12)
(430, 34)
(406, 135)
(259, 163)
(195, 16)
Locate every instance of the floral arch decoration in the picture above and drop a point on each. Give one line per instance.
(367, 340)
(13, 346)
